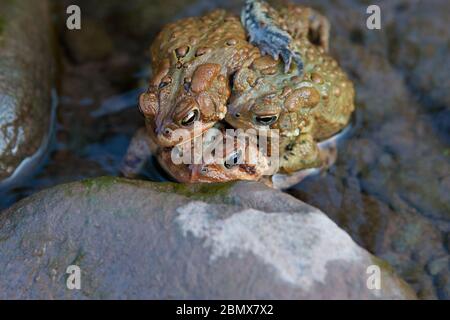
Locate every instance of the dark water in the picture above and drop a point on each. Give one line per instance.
(390, 188)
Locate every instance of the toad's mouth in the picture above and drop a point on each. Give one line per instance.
(172, 135)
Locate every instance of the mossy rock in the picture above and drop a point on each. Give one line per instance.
(145, 240)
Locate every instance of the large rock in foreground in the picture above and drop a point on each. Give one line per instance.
(26, 70)
(147, 240)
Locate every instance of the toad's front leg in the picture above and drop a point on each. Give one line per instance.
(138, 153)
(327, 156)
(298, 153)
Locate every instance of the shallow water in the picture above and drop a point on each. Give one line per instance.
(389, 189)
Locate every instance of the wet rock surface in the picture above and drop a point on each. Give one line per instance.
(26, 71)
(390, 188)
(419, 47)
(163, 241)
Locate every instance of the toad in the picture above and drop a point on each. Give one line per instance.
(209, 161)
(306, 95)
(193, 60)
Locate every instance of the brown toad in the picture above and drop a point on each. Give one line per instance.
(216, 162)
(309, 100)
(244, 161)
(193, 60)
(211, 160)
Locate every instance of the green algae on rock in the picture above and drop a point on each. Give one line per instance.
(168, 241)
(26, 71)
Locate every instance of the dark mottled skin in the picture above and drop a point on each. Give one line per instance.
(261, 23)
(195, 60)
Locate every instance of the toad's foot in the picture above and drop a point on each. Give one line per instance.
(260, 21)
(137, 155)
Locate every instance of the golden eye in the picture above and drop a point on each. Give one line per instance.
(165, 82)
(233, 160)
(265, 120)
(163, 85)
(191, 117)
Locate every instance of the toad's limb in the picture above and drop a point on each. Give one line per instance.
(262, 24)
(138, 153)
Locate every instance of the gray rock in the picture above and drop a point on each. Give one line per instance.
(135, 239)
(26, 68)
(438, 265)
(443, 280)
(419, 45)
(389, 189)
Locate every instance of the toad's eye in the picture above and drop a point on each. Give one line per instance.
(164, 84)
(191, 117)
(233, 160)
(265, 120)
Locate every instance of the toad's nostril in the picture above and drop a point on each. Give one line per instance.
(167, 132)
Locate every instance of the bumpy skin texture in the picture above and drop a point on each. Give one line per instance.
(232, 165)
(193, 60)
(261, 22)
(305, 95)
(309, 104)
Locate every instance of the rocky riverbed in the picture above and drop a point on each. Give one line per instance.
(389, 191)
(27, 66)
